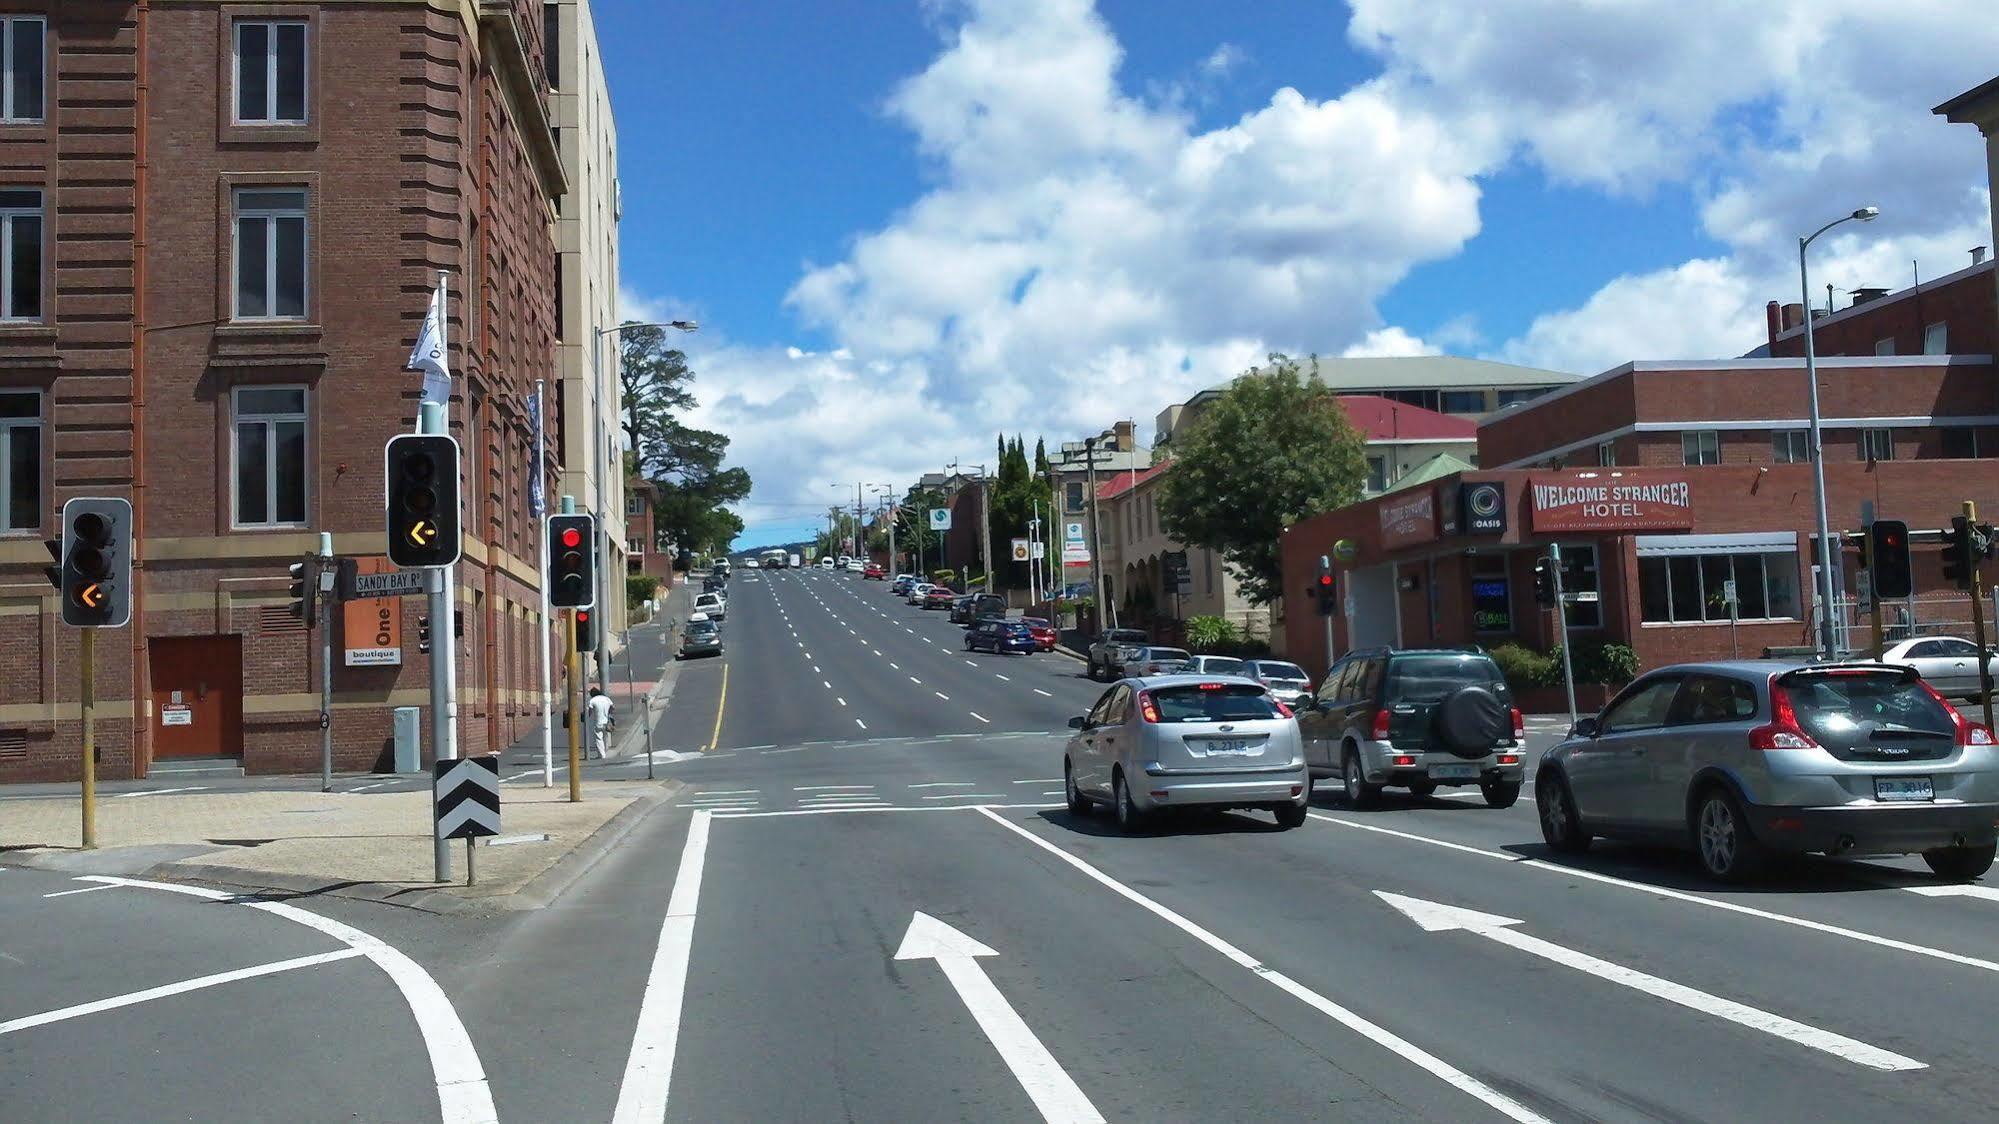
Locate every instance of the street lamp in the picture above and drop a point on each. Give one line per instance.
(1827, 646)
(597, 502)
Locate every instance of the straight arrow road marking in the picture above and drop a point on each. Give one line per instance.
(1986, 892)
(1434, 917)
(1040, 1075)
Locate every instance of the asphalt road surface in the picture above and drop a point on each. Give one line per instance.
(870, 905)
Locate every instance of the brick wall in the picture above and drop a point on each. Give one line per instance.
(1962, 301)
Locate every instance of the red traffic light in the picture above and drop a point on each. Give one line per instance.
(1326, 581)
(572, 537)
(582, 615)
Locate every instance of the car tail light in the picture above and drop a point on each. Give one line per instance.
(1405, 759)
(1282, 710)
(1509, 759)
(1783, 731)
(1380, 731)
(1146, 710)
(1968, 732)
(1519, 726)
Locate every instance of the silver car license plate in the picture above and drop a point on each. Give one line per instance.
(1231, 745)
(1903, 790)
(1454, 772)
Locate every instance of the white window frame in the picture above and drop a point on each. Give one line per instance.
(1800, 438)
(38, 212)
(1774, 561)
(1705, 440)
(7, 427)
(269, 217)
(1936, 338)
(7, 112)
(270, 27)
(1885, 346)
(269, 420)
(1377, 466)
(1877, 443)
(1606, 454)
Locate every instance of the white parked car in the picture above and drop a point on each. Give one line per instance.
(752, 564)
(1948, 663)
(713, 604)
(917, 592)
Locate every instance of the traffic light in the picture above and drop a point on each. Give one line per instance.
(586, 631)
(94, 562)
(1886, 555)
(1956, 552)
(423, 632)
(422, 474)
(1544, 582)
(572, 561)
(304, 590)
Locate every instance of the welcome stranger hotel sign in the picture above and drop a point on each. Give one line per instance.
(1612, 501)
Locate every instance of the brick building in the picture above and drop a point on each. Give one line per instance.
(644, 553)
(297, 175)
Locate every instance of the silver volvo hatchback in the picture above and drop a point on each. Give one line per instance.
(1186, 741)
(1749, 758)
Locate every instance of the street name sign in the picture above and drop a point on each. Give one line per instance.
(395, 583)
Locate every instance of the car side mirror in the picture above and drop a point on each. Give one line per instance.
(1078, 722)
(1584, 728)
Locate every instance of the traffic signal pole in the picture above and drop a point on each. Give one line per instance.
(326, 599)
(1974, 557)
(1562, 622)
(87, 657)
(443, 652)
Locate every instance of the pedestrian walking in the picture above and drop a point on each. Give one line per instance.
(599, 709)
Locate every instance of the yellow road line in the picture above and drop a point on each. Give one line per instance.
(715, 738)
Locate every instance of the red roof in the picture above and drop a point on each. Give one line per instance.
(1383, 419)
(1125, 481)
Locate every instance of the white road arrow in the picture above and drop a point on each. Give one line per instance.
(1033, 1066)
(1986, 892)
(1434, 917)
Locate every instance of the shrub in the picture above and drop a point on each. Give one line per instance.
(640, 588)
(1212, 634)
(1612, 665)
(1524, 667)
(945, 578)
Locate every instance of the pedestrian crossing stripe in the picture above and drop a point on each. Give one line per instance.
(465, 797)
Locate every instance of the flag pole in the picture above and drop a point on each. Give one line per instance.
(541, 568)
(444, 622)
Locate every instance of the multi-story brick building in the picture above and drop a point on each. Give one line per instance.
(241, 210)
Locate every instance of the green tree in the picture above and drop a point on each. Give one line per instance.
(684, 464)
(654, 380)
(1275, 447)
(1010, 504)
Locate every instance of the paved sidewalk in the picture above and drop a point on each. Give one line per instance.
(369, 845)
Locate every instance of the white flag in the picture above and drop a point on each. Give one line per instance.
(428, 355)
(537, 500)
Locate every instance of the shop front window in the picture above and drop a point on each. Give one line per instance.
(1693, 588)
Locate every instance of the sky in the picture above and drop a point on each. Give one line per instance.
(908, 225)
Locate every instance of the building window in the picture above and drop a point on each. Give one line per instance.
(1582, 587)
(1885, 347)
(21, 251)
(1464, 401)
(632, 504)
(270, 72)
(1515, 397)
(1877, 444)
(1072, 496)
(270, 456)
(1606, 454)
(1692, 588)
(1377, 474)
(1700, 446)
(1936, 339)
(1790, 446)
(22, 63)
(20, 461)
(551, 43)
(634, 546)
(1960, 442)
(270, 253)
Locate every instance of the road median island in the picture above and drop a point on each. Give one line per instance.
(375, 846)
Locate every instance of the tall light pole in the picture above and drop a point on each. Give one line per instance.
(1106, 608)
(1828, 646)
(598, 448)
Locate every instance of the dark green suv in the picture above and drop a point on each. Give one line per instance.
(1417, 718)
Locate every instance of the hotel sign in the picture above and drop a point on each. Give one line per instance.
(1611, 502)
(1408, 519)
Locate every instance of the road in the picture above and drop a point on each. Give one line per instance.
(870, 905)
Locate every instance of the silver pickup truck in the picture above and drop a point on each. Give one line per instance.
(1109, 650)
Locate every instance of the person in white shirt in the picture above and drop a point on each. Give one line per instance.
(599, 709)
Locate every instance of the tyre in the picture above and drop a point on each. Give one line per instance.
(1423, 788)
(1290, 816)
(1500, 794)
(1129, 819)
(1960, 864)
(1727, 850)
(1079, 805)
(1360, 794)
(1561, 827)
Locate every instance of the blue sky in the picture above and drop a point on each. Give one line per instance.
(874, 206)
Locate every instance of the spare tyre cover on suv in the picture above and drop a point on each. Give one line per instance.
(1470, 721)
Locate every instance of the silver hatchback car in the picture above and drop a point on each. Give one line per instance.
(1749, 758)
(1182, 741)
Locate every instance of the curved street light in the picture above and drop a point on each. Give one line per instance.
(1828, 645)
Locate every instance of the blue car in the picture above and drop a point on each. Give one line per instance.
(999, 636)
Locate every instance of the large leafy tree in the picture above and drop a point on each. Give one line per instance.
(1274, 448)
(1010, 504)
(655, 382)
(684, 464)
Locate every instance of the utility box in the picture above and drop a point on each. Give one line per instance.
(409, 739)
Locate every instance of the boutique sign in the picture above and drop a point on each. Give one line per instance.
(1612, 501)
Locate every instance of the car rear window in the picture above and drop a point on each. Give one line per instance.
(1166, 654)
(1430, 678)
(1035, 622)
(1221, 665)
(1843, 712)
(1281, 670)
(1214, 702)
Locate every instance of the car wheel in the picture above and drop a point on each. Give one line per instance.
(1960, 864)
(1423, 788)
(1561, 828)
(1500, 794)
(1291, 815)
(1360, 794)
(1079, 805)
(1129, 819)
(1721, 837)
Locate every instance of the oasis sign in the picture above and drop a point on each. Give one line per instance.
(1611, 502)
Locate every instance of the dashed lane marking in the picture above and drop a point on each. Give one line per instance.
(980, 717)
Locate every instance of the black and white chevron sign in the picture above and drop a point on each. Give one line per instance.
(465, 795)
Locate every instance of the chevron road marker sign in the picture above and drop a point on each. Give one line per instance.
(465, 795)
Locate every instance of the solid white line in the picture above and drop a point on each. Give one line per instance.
(1676, 895)
(942, 695)
(1043, 693)
(649, 1070)
(85, 890)
(969, 796)
(463, 1095)
(159, 791)
(824, 811)
(833, 787)
(377, 784)
(794, 749)
(944, 784)
(1041, 780)
(164, 990)
(730, 791)
(1375, 1033)
(980, 717)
